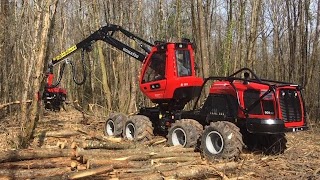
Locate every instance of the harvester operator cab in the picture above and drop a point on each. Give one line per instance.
(168, 75)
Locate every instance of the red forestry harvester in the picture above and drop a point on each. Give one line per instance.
(240, 109)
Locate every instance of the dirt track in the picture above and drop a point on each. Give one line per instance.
(301, 160)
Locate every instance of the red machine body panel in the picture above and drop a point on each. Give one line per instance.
(277, 99)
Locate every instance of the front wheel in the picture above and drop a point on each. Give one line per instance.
(184, 132)
(221, 140)
(138, 128)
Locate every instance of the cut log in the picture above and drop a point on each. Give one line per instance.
(187, 172)
(90, 172)
(62, 145)
(174, 154)
(155, 141)
(37, 164)
(156, 168)
(104, 153)
(73, 165)
(76, 166)
(142, 176)
(133, 154)
(107, 145)
(146, 156)
(57, 134)
(157, 152)
(200, 171)
(176, 159)
(31, 173)
(27, 154)
(94, 163)
(136, 157)
(94, 136)
(74, 145)
(113, 139)
(225, 166)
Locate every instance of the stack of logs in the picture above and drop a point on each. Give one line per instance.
(110, 158)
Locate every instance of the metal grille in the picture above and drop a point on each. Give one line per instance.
(290, 105)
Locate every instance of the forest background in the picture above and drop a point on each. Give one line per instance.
(279, 40)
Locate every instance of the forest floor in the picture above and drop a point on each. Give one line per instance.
(301, 160)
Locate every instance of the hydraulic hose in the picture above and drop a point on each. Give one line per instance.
(73, 72)
(84, 78)
(60, 77)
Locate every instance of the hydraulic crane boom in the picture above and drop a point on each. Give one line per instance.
(54, 96)
(105, 34)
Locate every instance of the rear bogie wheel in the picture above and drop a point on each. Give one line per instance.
(184, 132)
(114, 124)
(138, 128)
(221, 140)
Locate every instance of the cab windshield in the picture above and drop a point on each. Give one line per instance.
(156, 67)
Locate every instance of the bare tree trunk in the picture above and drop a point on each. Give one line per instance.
(238, 60)
(203, 40)
(178, 18)
(292, 37)
(315, 48)
(228, 40)
(133, 92)
(303, 38)
(276, 40)
(39, 64)
(250, 60)
(105, 85)
(4, 51)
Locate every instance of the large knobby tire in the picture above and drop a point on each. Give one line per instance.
(270, 144)
(221, 140)
(138, 128)
(114, 124)
(184, 132)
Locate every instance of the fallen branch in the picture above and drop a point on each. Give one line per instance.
(15, 102)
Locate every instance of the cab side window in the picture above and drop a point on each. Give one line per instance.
(156, 67)
(183, 63)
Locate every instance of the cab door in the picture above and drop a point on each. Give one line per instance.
(153, 80)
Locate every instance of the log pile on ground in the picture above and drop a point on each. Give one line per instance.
(102, 158)
(66, 146)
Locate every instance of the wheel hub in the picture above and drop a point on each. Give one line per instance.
(110, 128)
(179, 137)
(130, 130)
(214, 142)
